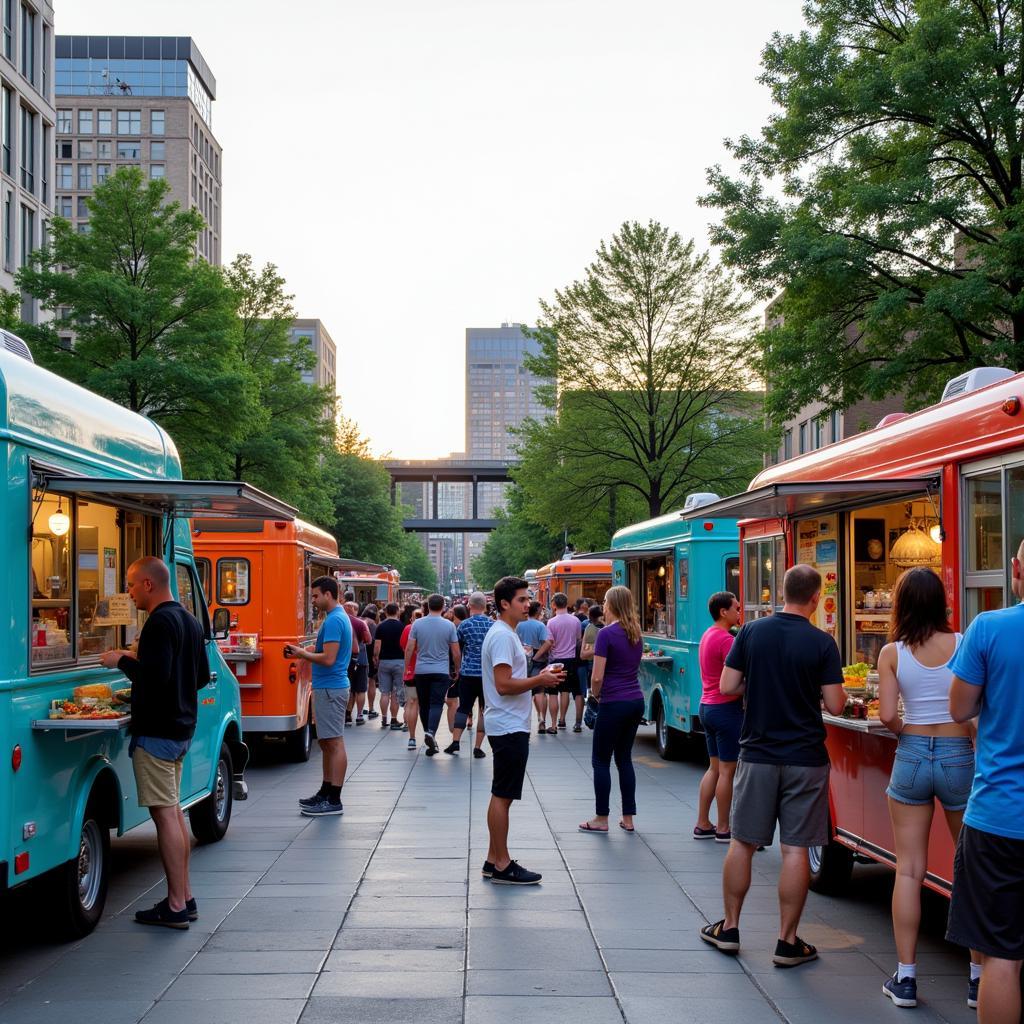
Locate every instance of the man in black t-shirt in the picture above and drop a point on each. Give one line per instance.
(390, 659)
(784, 666)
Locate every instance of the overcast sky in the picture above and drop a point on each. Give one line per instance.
(416, 167)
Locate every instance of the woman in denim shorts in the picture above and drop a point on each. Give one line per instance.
(934, 758)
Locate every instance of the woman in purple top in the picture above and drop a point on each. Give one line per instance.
(617, 652)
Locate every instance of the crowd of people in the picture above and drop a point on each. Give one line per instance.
(955, 703)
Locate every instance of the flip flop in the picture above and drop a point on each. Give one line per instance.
(587, 827)
(625, 828)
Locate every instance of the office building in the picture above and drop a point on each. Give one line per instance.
(143, 101)
(313, 332)
(27, 118)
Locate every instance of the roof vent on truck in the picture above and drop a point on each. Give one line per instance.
(696, 500)
(14, 344)
(974, 380)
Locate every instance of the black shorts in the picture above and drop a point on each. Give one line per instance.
(986, 911)
(535, 669)
(453, 691)
(572, 679)
(357, 677)
(510, 752)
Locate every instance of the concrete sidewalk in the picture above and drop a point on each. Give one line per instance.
(381, 915)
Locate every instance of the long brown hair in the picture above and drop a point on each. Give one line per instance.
(620, 601)
(919, 608)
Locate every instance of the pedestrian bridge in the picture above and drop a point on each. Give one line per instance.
(434, 472)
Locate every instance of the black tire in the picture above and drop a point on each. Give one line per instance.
(78, 890)
(299, 743)
(209, 819)
(671, 742)
(831, 867)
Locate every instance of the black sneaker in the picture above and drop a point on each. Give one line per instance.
(725, 939)
(360, 720)
(479, 752)
(192, 908)
(792, 954)
(902, 993)
(323, 808)
(487, 870)
(452, 748)
(396, 726)
(430, 742)
(311, 801)
(972, 992)
(577, 727)
(383, 723)
(161, 914)
(372, 714)
(514, 874)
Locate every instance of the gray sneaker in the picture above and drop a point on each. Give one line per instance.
(322, 809)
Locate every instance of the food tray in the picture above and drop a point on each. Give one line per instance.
(82, 724)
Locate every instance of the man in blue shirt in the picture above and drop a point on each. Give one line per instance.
(536, 640)
(329, 659)
(471, 633)
(986, 911)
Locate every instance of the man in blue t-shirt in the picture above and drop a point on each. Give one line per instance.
(471, 633)
(986, 911)
(329, 659)
(536, 641)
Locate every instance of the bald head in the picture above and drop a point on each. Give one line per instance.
(477, 602)
(1017, 573)
(149, 583)
(801, 585)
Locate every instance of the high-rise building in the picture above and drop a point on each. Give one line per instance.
(313, 332)
(27, 122)
(144, 101)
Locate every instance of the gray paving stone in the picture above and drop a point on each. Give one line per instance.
(227, 1011)
(394, 938)
(528, 948)
(257, 962)
(239, 986)
(366, 984)
(672, 961)
(538, 982)
(525, 1010)
(340, 1010)
(660, 1009)
(414, 961)
(231, 941)
(24, 1009)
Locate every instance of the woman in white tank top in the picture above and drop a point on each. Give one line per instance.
(934, 757)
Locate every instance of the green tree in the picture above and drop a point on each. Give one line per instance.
(414, 564)
(653, 395)
(885, 199)
(154, 327)
(516, 545)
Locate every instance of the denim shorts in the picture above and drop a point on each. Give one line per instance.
(722, 724)
(927, 767)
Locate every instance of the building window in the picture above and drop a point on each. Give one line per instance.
(157, 150)
(85, 122)
(818, 432)
(86, 150)
(803, 437)
(28, 233)
(45, 168)
(85, 175)
(129, 150)
(28, 150)
(64, 122)
(7, 229)
(156, 170)
(787, 444)
(28, 43)
(64, 151)
(46, 62)
(64, 178)
(156, 122)
(834, 427)
(102, 173)
(9, 30)
(83, 206)
(7, 112)
(105, 123)
(63, 207)
(104, 150)
(129, 122)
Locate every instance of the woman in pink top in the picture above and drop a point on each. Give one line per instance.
(721, 717)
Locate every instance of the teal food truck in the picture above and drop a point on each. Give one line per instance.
(673, 565)
(88, 487)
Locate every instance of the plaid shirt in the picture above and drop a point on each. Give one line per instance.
(471, 635)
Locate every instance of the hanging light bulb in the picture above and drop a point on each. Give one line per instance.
(936, 533)
(661, 570)
(59, 522)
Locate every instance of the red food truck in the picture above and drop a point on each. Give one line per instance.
(943, 488)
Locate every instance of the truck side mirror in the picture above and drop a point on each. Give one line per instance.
(221, 623)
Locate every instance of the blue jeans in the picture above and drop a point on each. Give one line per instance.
(614, 733)
(583, 670)
(927, 767)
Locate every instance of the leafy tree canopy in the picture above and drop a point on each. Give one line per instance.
(884, 200)
(652, 392)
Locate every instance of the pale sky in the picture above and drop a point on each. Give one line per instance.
(416, 167)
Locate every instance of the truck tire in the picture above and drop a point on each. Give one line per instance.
(831, 866)
(79, 887)
(299, 743)
(671, 742)
(209, 819)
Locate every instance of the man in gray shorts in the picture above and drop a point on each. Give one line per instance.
(390, 659)
(784, 666)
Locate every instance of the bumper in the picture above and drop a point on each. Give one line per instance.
(269, 723)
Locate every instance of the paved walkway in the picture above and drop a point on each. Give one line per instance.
(382, 915)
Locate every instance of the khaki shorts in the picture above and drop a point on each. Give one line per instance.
(158, 781)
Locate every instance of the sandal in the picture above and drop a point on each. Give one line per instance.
(626, 828)
(561, 725)
(587, 827)
(552, 731)
(577, 727)
(725, 939)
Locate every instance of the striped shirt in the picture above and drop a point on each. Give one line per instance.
(471, 634)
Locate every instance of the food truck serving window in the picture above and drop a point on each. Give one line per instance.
(650, 579)
(233, 581)
(80, 551)
(765, 565)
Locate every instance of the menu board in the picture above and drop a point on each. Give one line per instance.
(818, 545)
(116, 610)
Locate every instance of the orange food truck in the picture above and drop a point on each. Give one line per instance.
(588, 578)
(942, 488)
(371, 587)
(256, 577)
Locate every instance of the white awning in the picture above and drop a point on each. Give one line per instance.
(626, 554)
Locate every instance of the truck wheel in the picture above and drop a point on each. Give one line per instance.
(79, 887)
(210, 817)
(831, 866)
(299, 743)
(671, 742)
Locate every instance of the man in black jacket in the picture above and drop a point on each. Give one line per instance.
(166, 673)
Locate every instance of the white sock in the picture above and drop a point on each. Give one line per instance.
(975, 971)
(905, 971)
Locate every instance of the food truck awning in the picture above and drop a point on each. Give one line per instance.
(352, 565)
(778, 501)
(626, 554)
(192, 499)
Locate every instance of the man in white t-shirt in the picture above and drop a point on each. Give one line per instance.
(507, 720)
